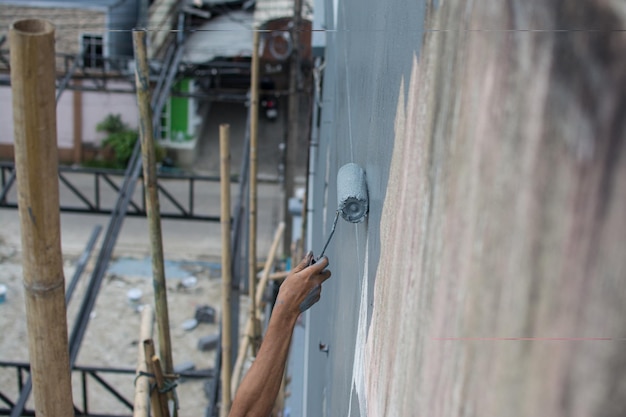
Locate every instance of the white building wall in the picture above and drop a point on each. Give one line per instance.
(6, 116)
(65, 121)
(95, 107)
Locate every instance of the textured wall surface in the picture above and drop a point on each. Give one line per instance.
(69, 25)
(490, 278)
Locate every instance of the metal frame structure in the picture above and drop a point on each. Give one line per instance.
(92, 204)
(95, 373)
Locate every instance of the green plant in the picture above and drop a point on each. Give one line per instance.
(120, 139)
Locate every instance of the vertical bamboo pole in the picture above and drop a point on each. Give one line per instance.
(142, 384)
(226, 272)
(160, 384)
(267, 268)
(254, 130)
(293, 124)
(152, 198)
(159, 403)
(265, 276)
(36, 161)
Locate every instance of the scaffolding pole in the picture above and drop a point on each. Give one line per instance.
(226, 268)
(255, 332)
(36, 161)
(152, 201)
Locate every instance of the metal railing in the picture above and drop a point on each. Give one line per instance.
(94, 374)
(89, 196)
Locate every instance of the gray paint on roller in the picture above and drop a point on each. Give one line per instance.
(352, 193)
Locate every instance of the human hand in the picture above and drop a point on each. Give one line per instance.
(303, 285)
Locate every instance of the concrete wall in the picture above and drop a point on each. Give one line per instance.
(489, 279)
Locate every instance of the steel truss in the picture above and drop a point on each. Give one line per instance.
(109, 181)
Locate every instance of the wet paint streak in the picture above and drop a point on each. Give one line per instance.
(311, 298)
(358, 367)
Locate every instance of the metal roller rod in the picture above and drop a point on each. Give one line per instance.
(332, 231)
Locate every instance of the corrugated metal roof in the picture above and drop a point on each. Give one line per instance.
(274, 9)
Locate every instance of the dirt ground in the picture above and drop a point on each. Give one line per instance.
(112, 334)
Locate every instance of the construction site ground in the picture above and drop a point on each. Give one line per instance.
(113, 330)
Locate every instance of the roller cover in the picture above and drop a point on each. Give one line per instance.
(352, 195)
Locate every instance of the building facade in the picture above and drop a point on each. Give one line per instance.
(93, 45)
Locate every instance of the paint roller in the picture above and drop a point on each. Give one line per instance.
(352, 198)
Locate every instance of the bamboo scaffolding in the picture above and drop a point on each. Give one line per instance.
(157, 398)
(277, 276)
(226, 269)
(36, 162)
(265, 277)
(152, 198)
(160, 384)
(293, 122)
(254, 130)
(143, 382)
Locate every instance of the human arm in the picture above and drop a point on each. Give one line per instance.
(300, 290)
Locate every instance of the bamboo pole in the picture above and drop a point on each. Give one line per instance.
(246, 342)
(254, 130)
(277, 276)
(271, 257)
(158, 401)
(152, 198)
(160, 383)
(293, 122)
(142, 384)
(36, 162)
(226, 270)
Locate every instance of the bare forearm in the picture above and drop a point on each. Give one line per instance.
(301, 289)
(258, 390)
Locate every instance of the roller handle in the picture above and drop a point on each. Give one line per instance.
(332, 232)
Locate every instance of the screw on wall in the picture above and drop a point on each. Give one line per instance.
(324, 348)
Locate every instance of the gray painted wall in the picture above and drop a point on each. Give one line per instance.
(368, 53)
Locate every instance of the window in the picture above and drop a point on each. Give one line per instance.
(93, 51)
